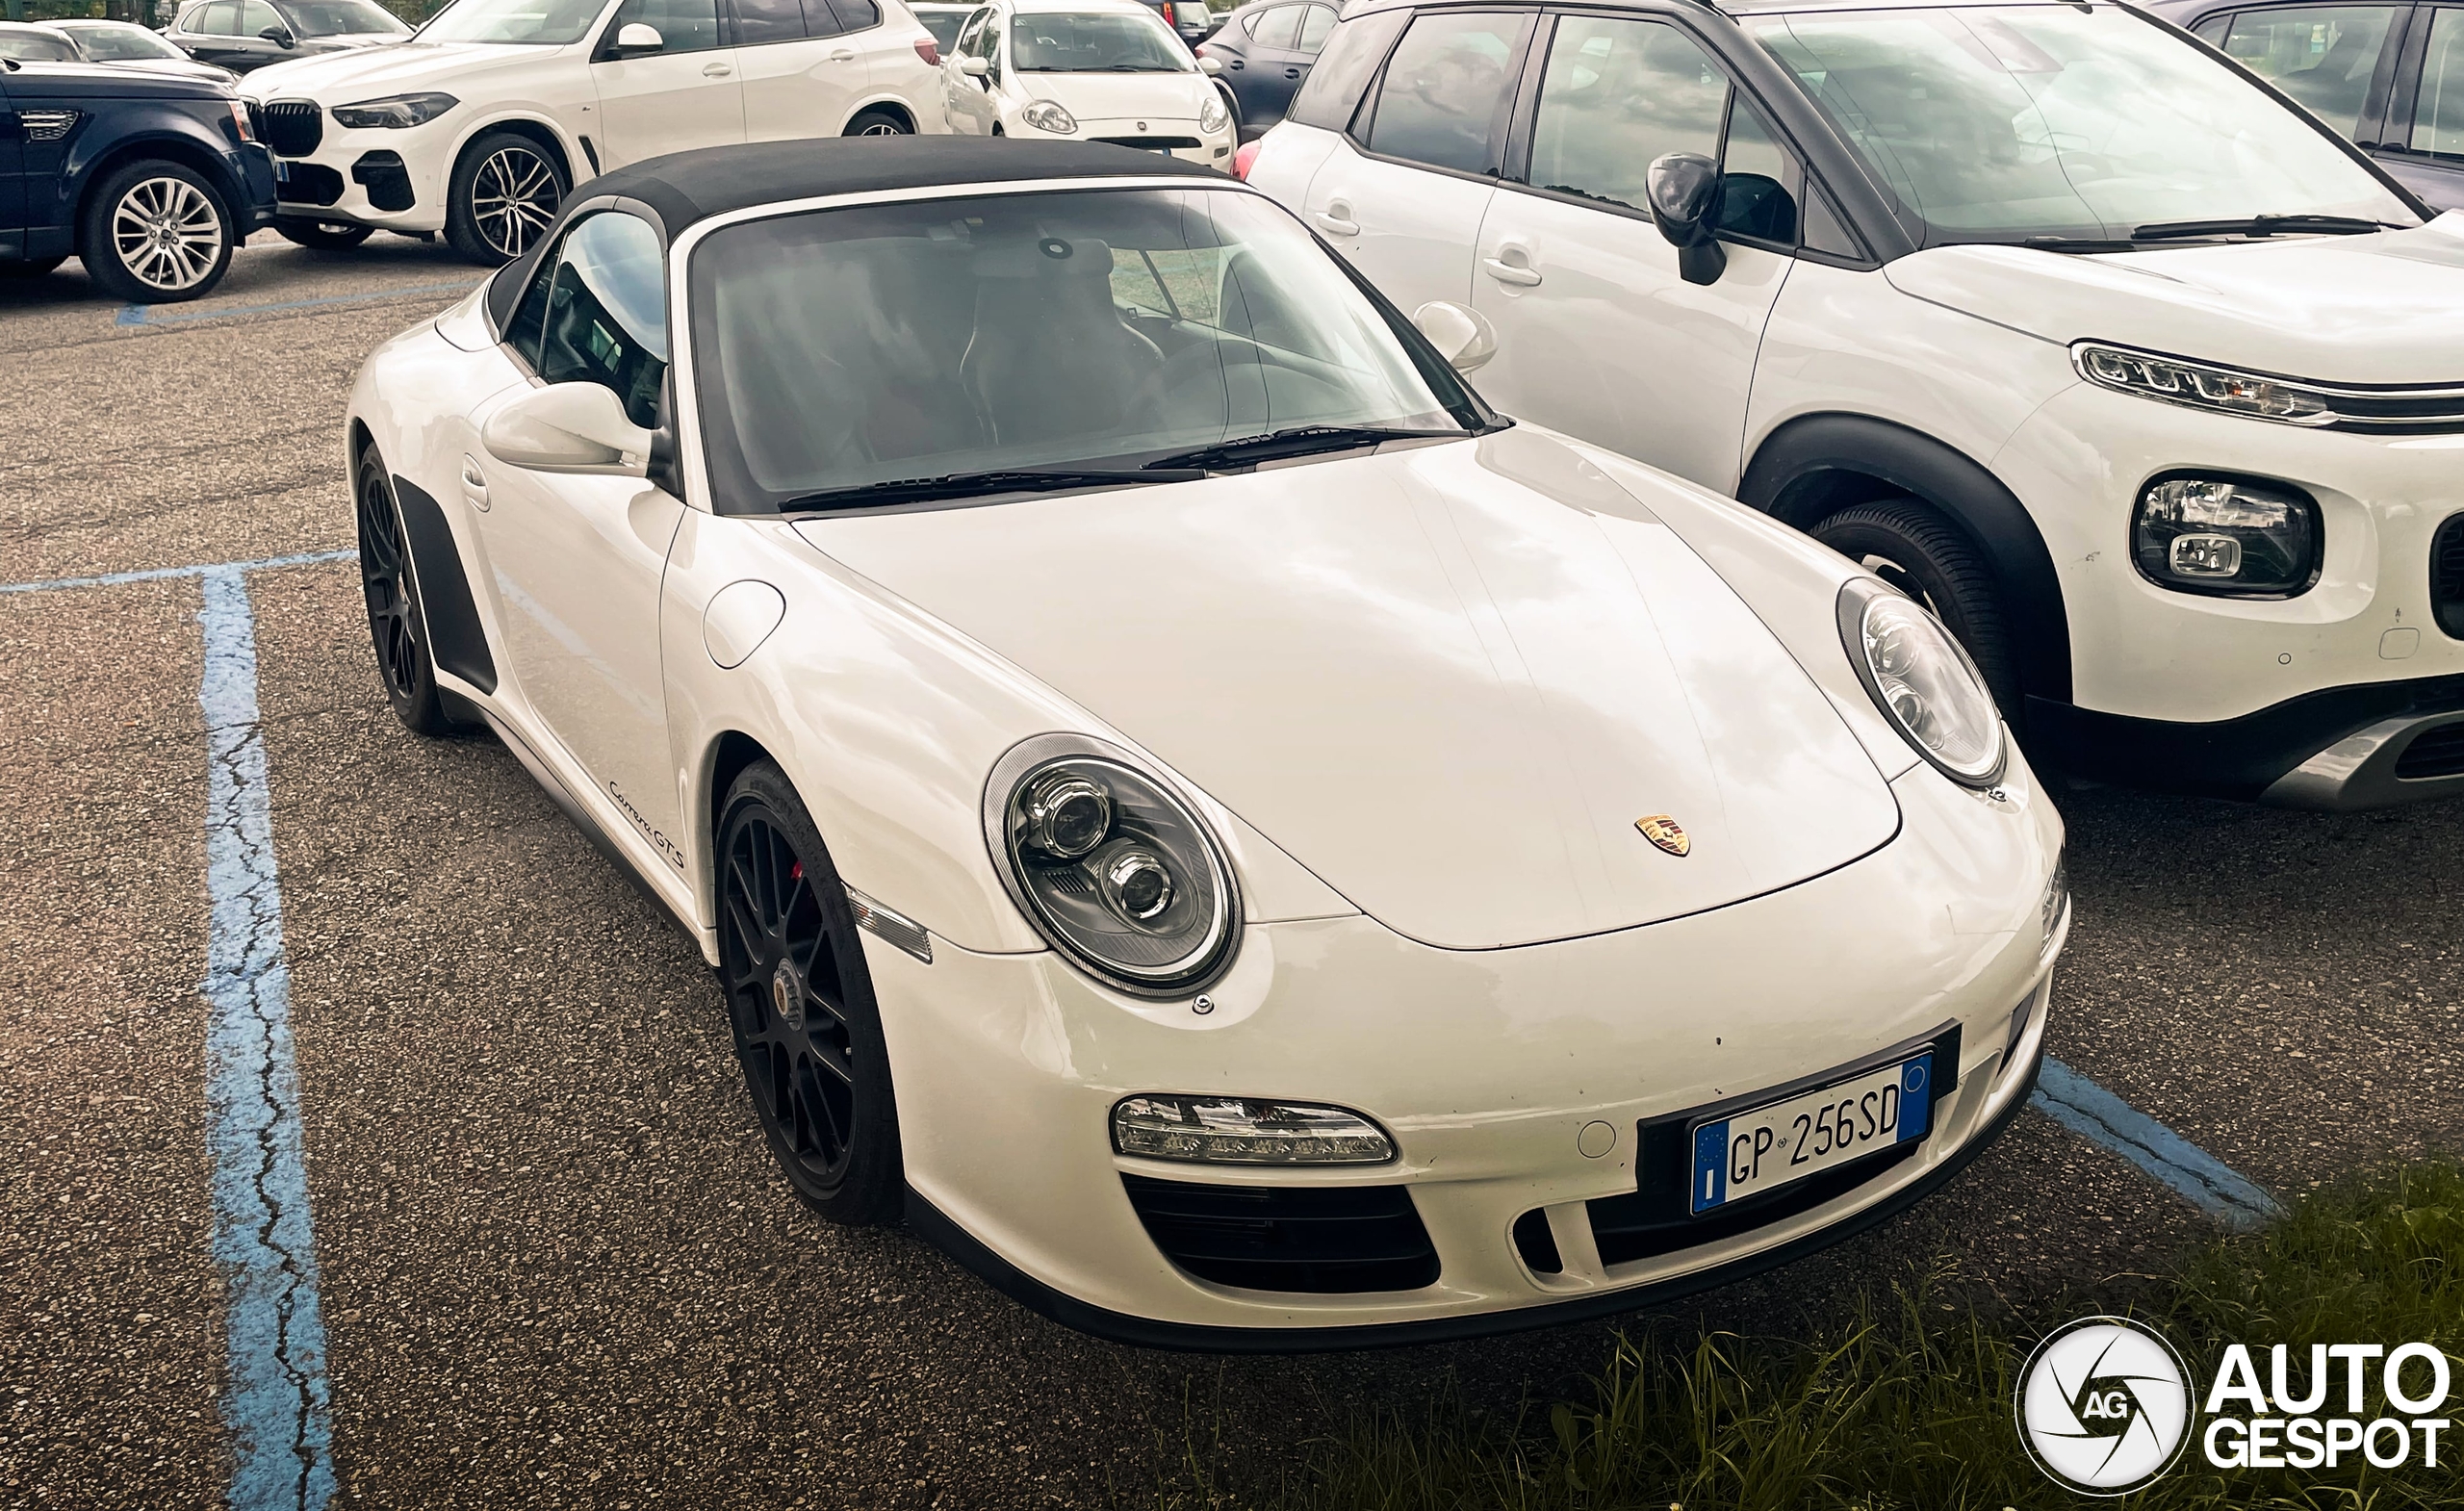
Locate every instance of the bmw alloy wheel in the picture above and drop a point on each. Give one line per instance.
(514, 197)
(168, 234)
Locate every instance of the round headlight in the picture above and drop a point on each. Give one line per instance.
(1111, 866)
(1048, 116)
(1919, 677)
(1214, 117)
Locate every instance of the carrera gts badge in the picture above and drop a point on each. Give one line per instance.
(1664, 831)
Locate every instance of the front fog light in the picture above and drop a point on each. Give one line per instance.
(1214, 1130)
(2227, 536)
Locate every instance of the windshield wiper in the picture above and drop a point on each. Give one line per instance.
(2261, 225)
(1297, 440)
(970, 485)
(2079, 243)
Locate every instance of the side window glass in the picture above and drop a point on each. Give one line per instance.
(852, 15)
(2322, 58)
(992, 42)
(601, 313)
(685, 26)
(761, 21)
(1617, 94)
(1439, 101)
(257, 17)
(1276, 28)
(1314, 28)
(219, 20)
(971, 36)
(2438, 112)
(1763, 180)
(2212, 30)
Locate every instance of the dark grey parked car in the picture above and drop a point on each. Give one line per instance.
(1267, 48)
(241, 35)
(2390, 77)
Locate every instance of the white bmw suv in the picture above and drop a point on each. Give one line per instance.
(2142, 377)
(478, 125)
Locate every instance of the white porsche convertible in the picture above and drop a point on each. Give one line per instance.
(1236, 841)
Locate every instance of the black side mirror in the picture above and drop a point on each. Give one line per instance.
(279, 37)
(1686, 190)
(664, 470)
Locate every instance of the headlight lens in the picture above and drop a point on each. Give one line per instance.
(1918, 675)
(394, 112)
(1046, 115)
(1118, 872)
(2200, 386)
(1212, 118)
(1219, 1130)
(2057, 896)
(2227, 536)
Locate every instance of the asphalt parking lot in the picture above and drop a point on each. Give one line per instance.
(552, 1264)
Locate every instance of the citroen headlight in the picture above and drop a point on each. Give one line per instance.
(2227, 536)
(2200, 386)
(1919, 677)
(1111, 866)
(394, 112)
(1212, 119)
(1046, 115)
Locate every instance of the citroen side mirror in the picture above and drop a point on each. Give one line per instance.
(1462, 335)
(1685, 191)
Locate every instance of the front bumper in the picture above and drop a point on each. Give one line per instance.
(390, 179)
(1179, 139)
(1486, 1066)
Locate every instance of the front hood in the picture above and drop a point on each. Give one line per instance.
(1120, 96)
(1448, 679)
(362, 73)
(180, 68)
(2340, 309)
(93, 81)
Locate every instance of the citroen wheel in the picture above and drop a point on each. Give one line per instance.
(879, 122)
(324, 236)
(156, 233)
(1911, 546)
(505, 195)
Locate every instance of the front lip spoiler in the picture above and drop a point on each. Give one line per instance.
(1206, 1338)
(2358, 772)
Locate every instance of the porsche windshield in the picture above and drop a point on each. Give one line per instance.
(1108, 329)
(2004, 122)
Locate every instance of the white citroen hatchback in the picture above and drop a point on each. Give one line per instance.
(2146, 380)
(478, 125)
(1085, 70)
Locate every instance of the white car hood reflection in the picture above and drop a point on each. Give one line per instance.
(1450, 679)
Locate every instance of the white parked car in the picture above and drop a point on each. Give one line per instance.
(1239, 844)
(480, 124)
(1085, 70)
(2144, 378)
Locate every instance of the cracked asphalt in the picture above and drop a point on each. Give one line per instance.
(555, 1269)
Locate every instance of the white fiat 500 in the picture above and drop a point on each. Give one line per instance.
(1085, 70)
(478, 125)
(1238, 843)
(2146, 380)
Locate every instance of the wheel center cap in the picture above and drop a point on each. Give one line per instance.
(787, 997)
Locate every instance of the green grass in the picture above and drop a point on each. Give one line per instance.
(1905, 1402)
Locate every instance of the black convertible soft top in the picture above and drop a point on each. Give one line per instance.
(684, 188)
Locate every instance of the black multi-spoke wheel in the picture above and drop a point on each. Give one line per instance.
(506, 192)
(801, 1006)
(394, 623)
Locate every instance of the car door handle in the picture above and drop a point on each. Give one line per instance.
(1509, 272)
(1334, 224)
(715, 70)
(842, 55)
(1291, 73)
(1238, 64)
(474, 484)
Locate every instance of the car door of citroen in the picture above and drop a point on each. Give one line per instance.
(574, 560)
(1598, 335)
(687, 94)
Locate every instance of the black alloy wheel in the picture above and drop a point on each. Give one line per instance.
(394, 623)
(800, 1004)
(1910, 546)
(324, 236)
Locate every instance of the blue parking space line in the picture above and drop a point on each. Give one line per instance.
(2103, 1118)
(276, 1405)
(174, 314)
(160, 574)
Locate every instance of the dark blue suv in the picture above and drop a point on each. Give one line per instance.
(148, 179)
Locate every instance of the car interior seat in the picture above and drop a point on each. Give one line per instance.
(1049, 357)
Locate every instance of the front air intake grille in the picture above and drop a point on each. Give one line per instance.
(293, 128)
(387, 181)
(1152, 143)
(310, 184)
(2447, 576)
(1326, 1239)
(2434, 752)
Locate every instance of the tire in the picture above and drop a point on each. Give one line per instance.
(1911, 546)
(397, 630)
(506, 192)
(800, 1006)
(156, 233)
(34, 269)
(324, 236)
(878, 123)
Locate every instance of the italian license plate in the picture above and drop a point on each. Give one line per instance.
(1748, 1153)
